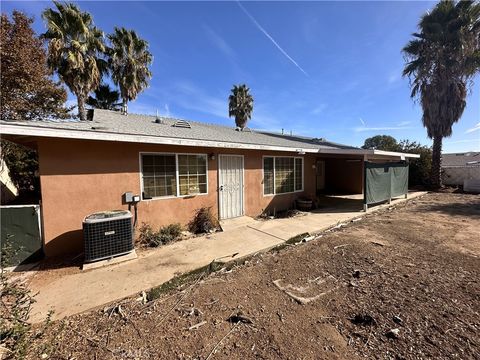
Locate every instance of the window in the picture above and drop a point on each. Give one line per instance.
(268, 175)
(192, 174)
(159, 177)
(173, 175)
(282, 175)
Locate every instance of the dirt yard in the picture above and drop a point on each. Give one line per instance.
(403, 283)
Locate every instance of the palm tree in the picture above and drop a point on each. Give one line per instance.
(105, 98)
(74, 50)
(441, 62)
(129, 62)
(240, 105)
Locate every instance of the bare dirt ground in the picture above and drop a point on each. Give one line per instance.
(399, 284)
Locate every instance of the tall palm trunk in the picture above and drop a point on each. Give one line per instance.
(82, 113)
(124, 106)
(436, 175)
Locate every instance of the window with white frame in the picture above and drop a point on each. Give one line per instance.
(282, 175)
(165, 175)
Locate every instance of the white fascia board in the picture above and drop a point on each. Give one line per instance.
(368, 152)
(393, 153)
(23, 130)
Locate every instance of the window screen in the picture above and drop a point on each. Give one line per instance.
(298, 174)
(159, 176)
(192, 174)
(282, 175)
(268, 176)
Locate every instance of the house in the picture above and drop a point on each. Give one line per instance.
(460, 167)
(177, 166)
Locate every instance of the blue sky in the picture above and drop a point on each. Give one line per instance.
(323, 69)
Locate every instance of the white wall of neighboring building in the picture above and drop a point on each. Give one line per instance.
(456, 175)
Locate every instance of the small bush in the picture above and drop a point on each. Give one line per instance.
(165, 235)
(204, 221)
(170, 233)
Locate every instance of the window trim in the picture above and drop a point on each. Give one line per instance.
(177, 196)
(274, 175)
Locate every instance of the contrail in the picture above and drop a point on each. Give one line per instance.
(271, 38)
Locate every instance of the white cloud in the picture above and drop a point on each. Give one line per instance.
(255, 22)
(319, 109)
(380, 128)
(404, 123)
(474, 128)
(167, 110)
(190, 96)
(219, 42)
(393, 78)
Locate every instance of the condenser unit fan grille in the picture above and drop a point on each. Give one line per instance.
(107, 237)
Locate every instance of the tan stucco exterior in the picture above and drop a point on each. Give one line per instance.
(79, 177)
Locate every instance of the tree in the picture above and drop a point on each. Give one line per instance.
(22, 163)
(75, 50)
(381, 142)
(419, 169)
(441, 62)
(240, 105)
(27, 90)
(105, 98)
(129, 61)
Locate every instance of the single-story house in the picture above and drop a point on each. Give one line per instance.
(460, 167)
(177, 166)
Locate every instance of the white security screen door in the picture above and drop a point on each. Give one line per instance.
(230, 186)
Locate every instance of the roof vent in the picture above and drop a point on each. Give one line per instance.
(159, 121)
(182, 124)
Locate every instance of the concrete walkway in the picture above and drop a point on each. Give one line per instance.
(74, 293)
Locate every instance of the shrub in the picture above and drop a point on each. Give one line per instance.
(204, 221)
(148, 236)
(164, 235)
(170, 233)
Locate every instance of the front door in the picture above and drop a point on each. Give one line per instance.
(320, 173)
(230, 186)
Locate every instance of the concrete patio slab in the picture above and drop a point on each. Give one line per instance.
(74, 293)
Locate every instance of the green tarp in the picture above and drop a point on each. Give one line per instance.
(385, 181)
(20, 241)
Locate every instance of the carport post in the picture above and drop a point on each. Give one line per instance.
(365, 205)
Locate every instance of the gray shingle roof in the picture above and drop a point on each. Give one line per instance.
(461, 159)
(105, 121)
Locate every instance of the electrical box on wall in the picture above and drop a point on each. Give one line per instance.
(129, 198)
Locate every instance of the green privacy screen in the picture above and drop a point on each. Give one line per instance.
(20, 240)
(385, 181)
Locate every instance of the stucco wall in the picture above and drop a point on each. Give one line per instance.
(344, 175)
(79, 177)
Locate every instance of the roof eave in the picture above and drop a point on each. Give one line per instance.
(27, 130)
